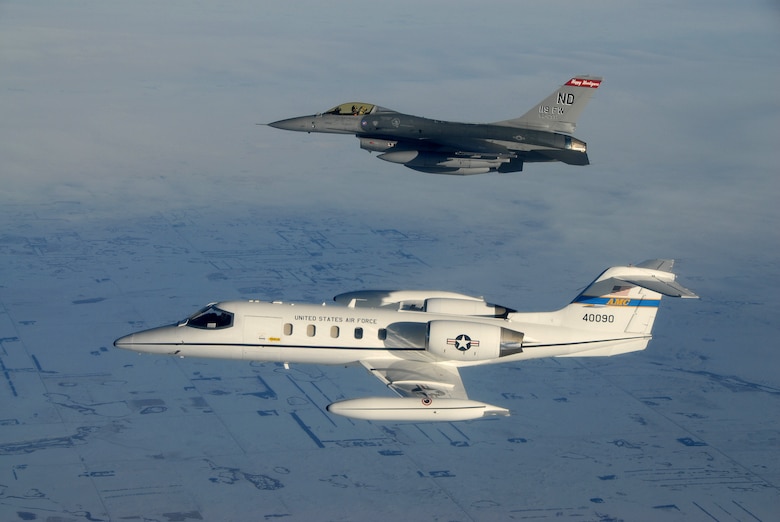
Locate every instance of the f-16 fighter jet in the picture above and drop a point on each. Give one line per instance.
(415, 342)
(441, 147)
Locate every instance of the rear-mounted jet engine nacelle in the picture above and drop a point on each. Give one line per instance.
(477, 307)
(466, 341)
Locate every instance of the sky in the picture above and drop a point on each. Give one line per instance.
(137, 186)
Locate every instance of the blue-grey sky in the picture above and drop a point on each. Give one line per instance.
(136, 186)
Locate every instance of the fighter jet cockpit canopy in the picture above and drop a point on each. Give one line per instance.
(209, 318)
(351, 109)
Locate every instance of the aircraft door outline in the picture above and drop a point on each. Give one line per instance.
(262, 329)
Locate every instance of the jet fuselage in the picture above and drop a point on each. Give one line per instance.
(391, 132)
(301, 333)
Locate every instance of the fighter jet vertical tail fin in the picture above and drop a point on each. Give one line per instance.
(561, 109)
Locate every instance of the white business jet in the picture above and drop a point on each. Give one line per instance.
(416, 341)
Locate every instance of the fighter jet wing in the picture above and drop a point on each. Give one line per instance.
(418, 379)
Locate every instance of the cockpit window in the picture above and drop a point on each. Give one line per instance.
(210, 318)
(351, 109)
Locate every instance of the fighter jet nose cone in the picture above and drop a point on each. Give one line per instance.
(310, 123)
(294, 124)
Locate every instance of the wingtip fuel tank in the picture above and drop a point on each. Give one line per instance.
(414, 409)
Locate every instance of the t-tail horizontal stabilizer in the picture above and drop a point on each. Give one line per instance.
(654, 275)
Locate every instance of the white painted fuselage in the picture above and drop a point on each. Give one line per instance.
(333, 334)
(415, 341)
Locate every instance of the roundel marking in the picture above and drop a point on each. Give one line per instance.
(462, 342)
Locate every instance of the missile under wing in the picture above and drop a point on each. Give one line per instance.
(543, 134)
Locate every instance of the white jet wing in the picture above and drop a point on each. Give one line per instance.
(418, 379)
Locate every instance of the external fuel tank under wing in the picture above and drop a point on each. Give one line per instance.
(542, 134)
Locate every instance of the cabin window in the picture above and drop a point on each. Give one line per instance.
(311, 330)
(334, 332)
(210, 318)
(358, 333)
(288, 329)
(382, 334)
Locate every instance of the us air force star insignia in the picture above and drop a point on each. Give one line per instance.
(462, 342)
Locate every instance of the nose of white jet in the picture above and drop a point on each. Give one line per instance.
(156, 340)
